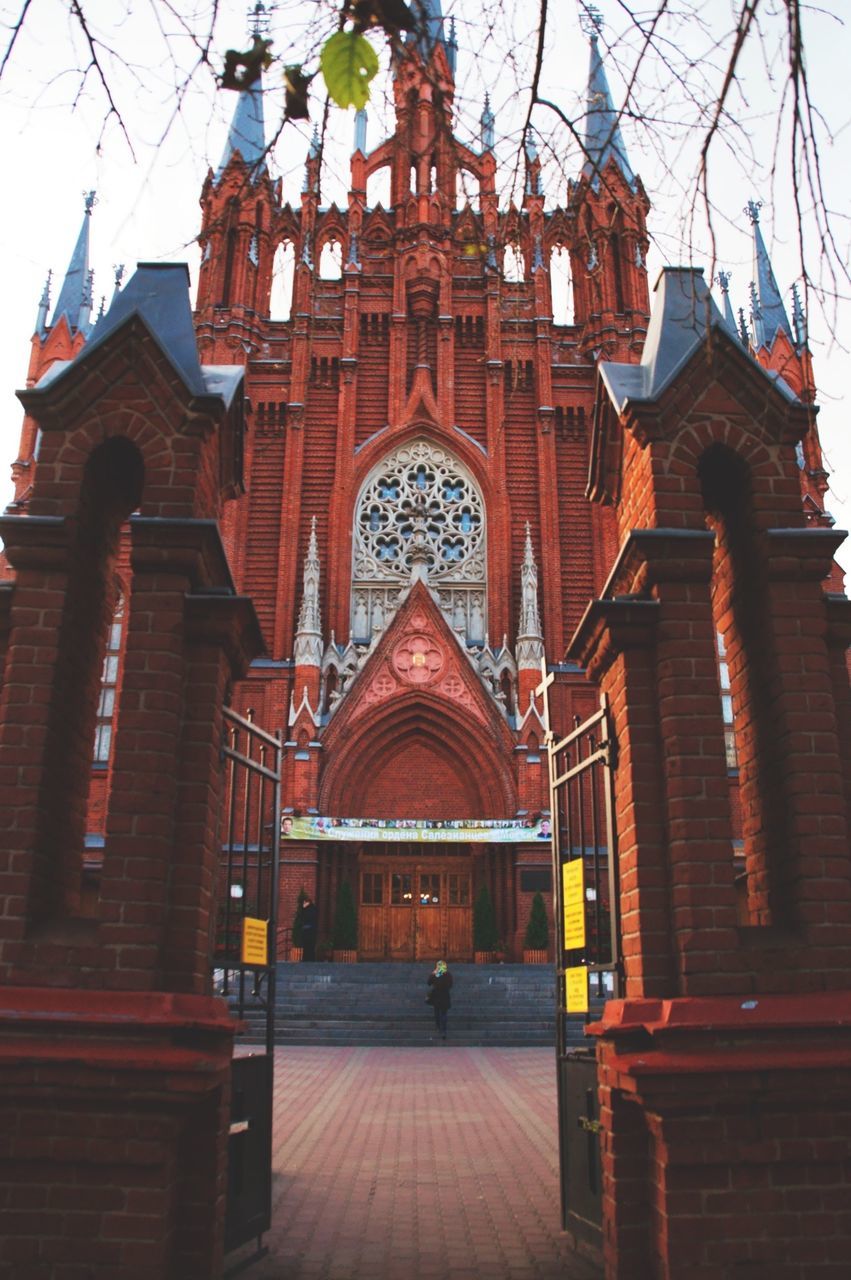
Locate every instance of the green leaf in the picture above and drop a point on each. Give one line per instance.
(348, 63)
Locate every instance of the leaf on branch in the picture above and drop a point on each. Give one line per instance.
(254, 61)
(348, 63)
(296, 85)
(392, 15)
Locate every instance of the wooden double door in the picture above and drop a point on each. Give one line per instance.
(415, 906)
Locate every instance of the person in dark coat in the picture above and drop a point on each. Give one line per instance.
(440, 982)
(308, 929)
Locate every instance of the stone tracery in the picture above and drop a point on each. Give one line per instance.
(419, 504)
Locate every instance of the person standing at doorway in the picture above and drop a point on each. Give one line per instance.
(440, 982)
(308, 929)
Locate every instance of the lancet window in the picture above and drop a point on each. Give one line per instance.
(420, 504)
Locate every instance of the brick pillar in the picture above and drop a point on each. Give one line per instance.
(115, 1075)
(725, 1073)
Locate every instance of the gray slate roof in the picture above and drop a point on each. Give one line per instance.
(683, 311)
(158, 294)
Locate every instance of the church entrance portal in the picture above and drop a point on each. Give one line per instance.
(414, 905)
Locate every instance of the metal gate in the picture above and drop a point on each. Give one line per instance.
(244, 966)
(585, 899)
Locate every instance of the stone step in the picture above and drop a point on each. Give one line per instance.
(384, 1004)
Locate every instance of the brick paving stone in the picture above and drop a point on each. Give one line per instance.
(415, 1164)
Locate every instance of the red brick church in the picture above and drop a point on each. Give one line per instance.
(414, 523)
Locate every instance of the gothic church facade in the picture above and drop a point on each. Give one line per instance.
(415, 527)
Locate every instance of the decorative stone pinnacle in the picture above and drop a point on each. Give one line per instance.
(723, 280)
(530, 642)
(89, 200)
(308, 640)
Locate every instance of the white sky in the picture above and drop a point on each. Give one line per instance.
(148, 206)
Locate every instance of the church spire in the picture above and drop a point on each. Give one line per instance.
(308, 639)
(429, 31)
(603, 141)
(769, 304)
(530, 642)
(75, 295)
(247, 134)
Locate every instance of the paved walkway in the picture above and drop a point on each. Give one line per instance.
(415, 1164)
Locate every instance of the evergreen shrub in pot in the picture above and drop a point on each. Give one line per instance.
(485, 934)
(345, 930)
(536, 940)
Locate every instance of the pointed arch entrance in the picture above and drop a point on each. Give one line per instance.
(418, 758)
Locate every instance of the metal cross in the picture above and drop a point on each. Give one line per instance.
(542, 692)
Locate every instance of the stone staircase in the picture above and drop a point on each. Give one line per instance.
(384, 1004)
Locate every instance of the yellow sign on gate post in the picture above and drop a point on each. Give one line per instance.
(573, 900)
(576, 989)
(255, 941)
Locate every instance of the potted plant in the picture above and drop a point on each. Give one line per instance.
(296, 943)
(345, 930)
(485, 935)
(536, 940)
(324, 949)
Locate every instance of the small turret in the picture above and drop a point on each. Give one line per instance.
(723, 280)
(360, 131)
(488, 121)
(533, 166)
(799, 320)
(43, 307)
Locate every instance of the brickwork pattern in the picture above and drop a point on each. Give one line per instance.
(416, 1164)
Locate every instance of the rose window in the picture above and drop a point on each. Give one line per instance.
(420, 488)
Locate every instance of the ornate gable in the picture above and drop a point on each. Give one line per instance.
(418, 655)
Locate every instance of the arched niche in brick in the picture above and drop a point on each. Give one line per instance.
(113, 478)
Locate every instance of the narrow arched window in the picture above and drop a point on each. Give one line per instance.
(331, 261)
(109, 685)
(561, 286)
(283, 274)
(513, 265)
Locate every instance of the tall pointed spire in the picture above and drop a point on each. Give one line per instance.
(770, 304)
(308, 640)
(247, 133)
(75, 295)
(429, 30)
(530, 642)
(603, 141)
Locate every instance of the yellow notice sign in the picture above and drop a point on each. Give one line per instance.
(573, 898)
(576, 989)
(255, 941)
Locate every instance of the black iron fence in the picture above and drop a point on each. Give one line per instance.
(244, 963)
(588, 962)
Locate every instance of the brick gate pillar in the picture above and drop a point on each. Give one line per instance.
(115, 1070)
(725, 1073)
